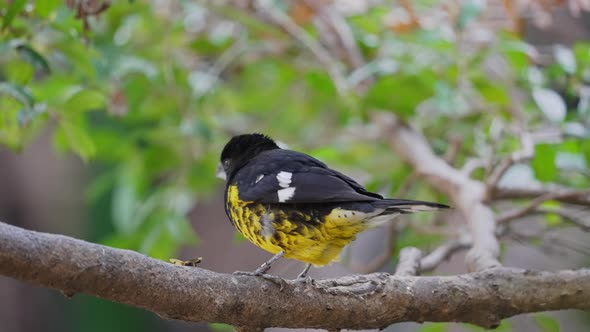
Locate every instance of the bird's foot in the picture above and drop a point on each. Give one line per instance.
(307, 280)
(272, 278)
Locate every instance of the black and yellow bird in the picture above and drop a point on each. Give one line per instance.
(293, 205)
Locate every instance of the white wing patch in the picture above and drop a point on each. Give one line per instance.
(286, 194)
(259, 178)
(284, 179)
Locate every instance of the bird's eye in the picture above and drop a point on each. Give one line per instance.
(226, 164)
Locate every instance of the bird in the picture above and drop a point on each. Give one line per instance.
(294, 206)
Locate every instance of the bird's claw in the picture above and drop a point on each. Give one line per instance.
(272, 278)
(305, 280)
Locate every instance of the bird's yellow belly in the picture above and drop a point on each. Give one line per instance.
(301, 235)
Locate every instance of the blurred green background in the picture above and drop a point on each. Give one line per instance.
(113, 115)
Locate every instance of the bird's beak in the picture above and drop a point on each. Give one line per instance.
(220, 173)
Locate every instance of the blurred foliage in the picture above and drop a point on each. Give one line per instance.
(147, 93)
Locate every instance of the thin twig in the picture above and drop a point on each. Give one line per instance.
(444, 252)
(526, 152)
(324, 57)
(405, 187)
(535, 203)
(471, 165)
(341, 30)
(563, 194)
(567, 215)
(409, 262)
(519, 213)
(455, 144)
(222, 63)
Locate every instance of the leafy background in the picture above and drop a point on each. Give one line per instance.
(111, 125)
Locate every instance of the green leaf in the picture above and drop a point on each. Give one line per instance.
(400, 93)
(552, 220)
(85, 100)
(158, 243)
(433, 327)
(18, 71)
(77, 139)
(491, 91)
(33, 57)
(544, 162)
(551, 103)
(17, 92)
(582, 55)
(16, 6)
(546, 323)
(127, 211)
(516, 52)
(46, 7)
(565, 58)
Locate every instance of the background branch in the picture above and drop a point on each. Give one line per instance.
(354, 302)
(467, 194)
(409, 262)
(444, 252)
(324, 57)
(561, 194)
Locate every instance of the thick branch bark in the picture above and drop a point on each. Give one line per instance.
(355, 302)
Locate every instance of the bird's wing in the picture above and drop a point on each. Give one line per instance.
(303, 184)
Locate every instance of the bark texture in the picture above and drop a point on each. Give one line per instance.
(354, 302)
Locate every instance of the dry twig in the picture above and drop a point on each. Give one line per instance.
(409, 262)
(444, 252)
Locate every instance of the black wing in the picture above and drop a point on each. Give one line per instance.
(285, 176)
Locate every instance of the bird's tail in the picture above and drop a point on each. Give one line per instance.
(407, 206)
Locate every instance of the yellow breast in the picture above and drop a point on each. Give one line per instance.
(302, 234)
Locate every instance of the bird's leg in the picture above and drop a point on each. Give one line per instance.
(303, 273)
(261, 271)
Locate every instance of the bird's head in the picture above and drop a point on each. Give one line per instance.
(239, 150)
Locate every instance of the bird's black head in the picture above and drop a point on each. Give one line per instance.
(240, 149)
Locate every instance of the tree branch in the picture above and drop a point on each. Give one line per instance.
(446, 250)
(527, 209)
(466, 193)
(526, 152)
(561, 194)
(251, 303)
(409, 262)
